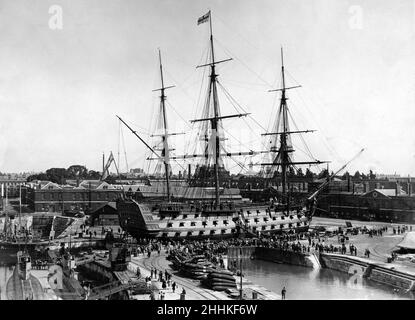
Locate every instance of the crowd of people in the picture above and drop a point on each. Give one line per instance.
(336, 241)
(160, 276)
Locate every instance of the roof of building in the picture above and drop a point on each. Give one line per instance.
(111, 204)
(49, 185)
(382, 192)
(322, 180)
(98, 185)
(132, 188)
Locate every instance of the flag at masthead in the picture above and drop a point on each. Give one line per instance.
(203, 18)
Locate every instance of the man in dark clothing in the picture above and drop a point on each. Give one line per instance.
(183, 295)
(283, 291)
(173, 286)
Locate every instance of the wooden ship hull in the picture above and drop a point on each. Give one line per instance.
(185, 221)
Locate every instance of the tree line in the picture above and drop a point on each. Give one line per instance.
(325, 174)
(60, 175)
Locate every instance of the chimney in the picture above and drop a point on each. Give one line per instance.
(397, 189)
(377, 185)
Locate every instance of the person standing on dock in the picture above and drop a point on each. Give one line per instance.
(283, 291)
(183, 294)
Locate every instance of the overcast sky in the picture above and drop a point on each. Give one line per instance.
(61, 89)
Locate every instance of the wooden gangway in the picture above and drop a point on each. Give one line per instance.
(114, 287)
(84, 260)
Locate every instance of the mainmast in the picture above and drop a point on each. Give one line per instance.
(283, 143)
(215, 121)
(213, 96)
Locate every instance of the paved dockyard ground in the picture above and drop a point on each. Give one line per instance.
(193, 288)
(380, 247)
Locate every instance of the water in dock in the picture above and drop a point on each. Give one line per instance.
(318, 284)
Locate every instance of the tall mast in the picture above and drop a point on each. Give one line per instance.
(165, 151)
(165, 158)
(215, 120)
(213, 91)
(283, 140)
(283, 158)
(20, 207)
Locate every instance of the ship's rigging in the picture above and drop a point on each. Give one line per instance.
(212, 134)
(202, 215)
(280, 141)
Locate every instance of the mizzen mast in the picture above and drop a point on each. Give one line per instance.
(283, 158)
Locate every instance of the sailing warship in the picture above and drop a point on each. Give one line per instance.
(218, 215)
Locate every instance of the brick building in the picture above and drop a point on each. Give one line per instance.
(86, 196)
(375, 200)
(11, 186)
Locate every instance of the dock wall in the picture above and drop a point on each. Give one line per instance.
(274, 255)
(358, 268)
(364, 268)
(241, 252)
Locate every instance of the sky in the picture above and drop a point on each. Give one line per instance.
(61, 88)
